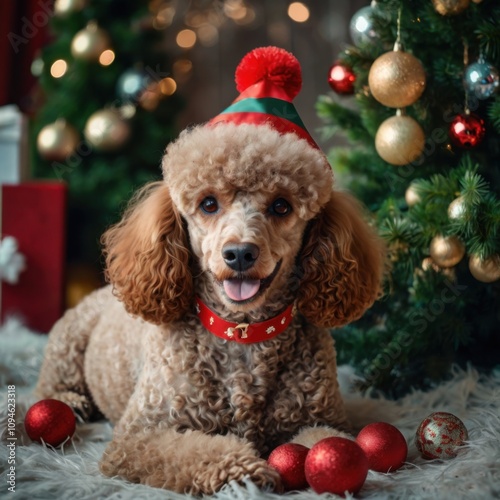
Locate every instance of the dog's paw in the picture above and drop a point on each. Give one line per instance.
(80, 404)
(236, 466)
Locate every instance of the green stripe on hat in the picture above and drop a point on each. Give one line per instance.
(268, 106)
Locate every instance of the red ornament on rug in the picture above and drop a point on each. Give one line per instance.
(50, 421)
(341, 79)
(336, 465)
(384, 446)
(467, 130)
(289, 459)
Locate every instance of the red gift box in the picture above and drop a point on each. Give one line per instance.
(34, 214)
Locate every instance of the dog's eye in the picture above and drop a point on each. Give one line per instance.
(280, 207)
(209, 205)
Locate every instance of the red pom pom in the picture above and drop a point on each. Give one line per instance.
(336, 465)
(50, 420)
(273, 64)
(384, 446)
(289, 459)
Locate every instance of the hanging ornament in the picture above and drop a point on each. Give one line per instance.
(457, 208)
(63, 8)
(467, 130)
(89, 43)
(481, 79)
(341, 78)
(50, 421)
(289, 460)
(446, 251)
(56, 141)
(399, 140)
(361, 26)
(106, 130)
(396, 79)
(132, 84)
(439, 435)
(487, 270)
(412, 197)
(450, 7)
(336, 465)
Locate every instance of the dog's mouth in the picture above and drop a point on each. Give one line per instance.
(244, 289)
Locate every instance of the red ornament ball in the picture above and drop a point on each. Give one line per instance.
(289, 459)
(336, 465)
(439, 435)
(50, 421)
(341, 79)
(467, 131)
(384, 446)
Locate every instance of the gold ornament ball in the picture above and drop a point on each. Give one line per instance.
(399, 140)
(411, 196)
(450, 7)
(56, 141)
(89, 43)
(456, 209)
(487, 270)
(396, 79)
(106, 130)
(62, 8)
(446, 251)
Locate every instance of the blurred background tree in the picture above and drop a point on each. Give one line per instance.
(424, 121)
(109, 110)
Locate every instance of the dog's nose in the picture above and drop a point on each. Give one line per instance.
(240, 256)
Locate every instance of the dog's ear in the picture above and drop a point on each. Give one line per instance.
(148, 257)
(341, 264)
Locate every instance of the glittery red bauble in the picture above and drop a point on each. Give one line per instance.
(384, 446)
(288, 459)
(336, 465)
(341, 79)
(467, 131)
(50, 421)
(439, 435)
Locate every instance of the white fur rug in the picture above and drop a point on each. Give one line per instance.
(72, 473)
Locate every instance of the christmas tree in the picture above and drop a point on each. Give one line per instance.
(109, 110)
(424, 156)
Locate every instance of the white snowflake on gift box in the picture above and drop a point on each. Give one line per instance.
(12, 262)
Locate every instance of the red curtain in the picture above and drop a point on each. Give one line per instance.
(23, 31)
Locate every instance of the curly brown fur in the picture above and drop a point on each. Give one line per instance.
(193, 411)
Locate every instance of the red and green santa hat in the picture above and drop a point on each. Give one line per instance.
(268, 79)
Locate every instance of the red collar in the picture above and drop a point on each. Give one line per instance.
(244, 333)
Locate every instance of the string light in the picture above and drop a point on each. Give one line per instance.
(298, 12)
(186, 39)
(106, 57)
(168, 86)
(59, 68)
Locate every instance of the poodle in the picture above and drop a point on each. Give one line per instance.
(211, 344)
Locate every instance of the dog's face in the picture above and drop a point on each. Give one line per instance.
(245, 241)
(247, 196)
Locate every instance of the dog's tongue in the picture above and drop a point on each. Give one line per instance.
(241, 289)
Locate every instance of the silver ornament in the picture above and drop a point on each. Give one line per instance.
(439, 435)
(481, 79)
(361, 27)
